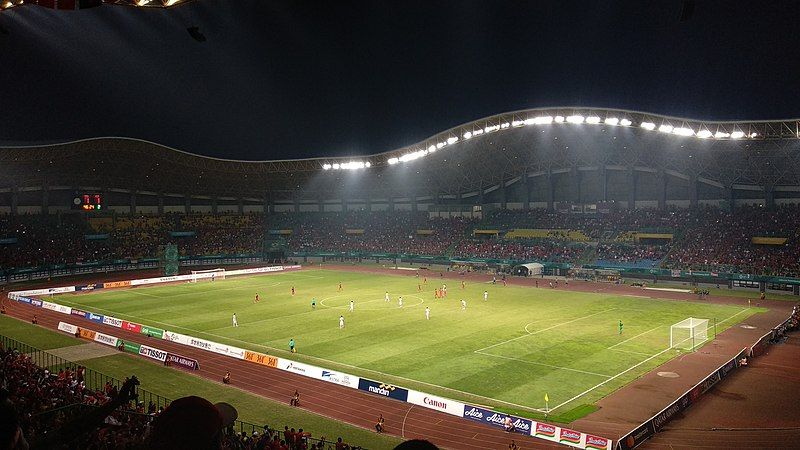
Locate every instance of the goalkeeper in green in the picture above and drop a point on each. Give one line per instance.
(620, 327)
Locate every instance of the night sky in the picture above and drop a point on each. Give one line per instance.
(294, 79)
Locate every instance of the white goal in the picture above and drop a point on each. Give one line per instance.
(209, 275)
(688, 334)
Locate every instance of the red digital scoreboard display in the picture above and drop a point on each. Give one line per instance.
(88, 202)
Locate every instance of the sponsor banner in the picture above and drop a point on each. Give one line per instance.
(95, 317)
(597, 442)
(113, 321)
(116, 284)
(257, 270)
(78, 312)
(153, 353)
(211, 346)
(342, 379)
(130, 326)
(260, 358)
(438, 403)
(89, 287)
(177, 337)
(644, 432)
(496, 419)
(67, 328)
(87, 334)
(166, 279)
(36, 302)
(22, 299)
(152, 331)
(50, 306)
(131, 347)
(545, 431)
(46, 291)
(106, 339)
(386, 390)
(182, 361)
(570, 437)
(63, 309)
(305, 370)
(227, 350)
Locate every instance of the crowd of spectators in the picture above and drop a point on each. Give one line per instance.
(703, 238)
(51, 410)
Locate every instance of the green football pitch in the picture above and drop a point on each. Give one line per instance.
(506, 352)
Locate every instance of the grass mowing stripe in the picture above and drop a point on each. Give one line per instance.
(640, 334)
(544, 365)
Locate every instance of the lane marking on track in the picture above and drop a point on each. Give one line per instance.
(545, 365)
(403, 429)
(543, 330)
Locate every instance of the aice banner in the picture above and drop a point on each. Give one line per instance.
(383, 389)
(496, 419)
(438, 403)
(261, 358)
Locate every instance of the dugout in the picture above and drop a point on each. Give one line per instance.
(528, 270)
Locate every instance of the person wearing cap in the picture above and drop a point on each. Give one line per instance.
(227, 378)
(191, 423)
(295, 401)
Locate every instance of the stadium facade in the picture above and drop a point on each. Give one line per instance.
(538, 158)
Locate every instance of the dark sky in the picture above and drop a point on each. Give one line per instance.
(292, 79)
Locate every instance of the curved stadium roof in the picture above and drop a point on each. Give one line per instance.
(491, 151)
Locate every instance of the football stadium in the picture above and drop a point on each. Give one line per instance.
(551, 277)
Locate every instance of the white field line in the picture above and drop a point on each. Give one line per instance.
(275, 351)
(545, 365)
(629, 351)
(543, 330)
(640, 334)
(628, 369)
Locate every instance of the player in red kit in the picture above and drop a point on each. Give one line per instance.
(256, 299)
(292, 291)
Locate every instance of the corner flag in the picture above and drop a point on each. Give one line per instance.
(545, 398)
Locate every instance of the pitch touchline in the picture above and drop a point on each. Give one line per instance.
(335, 363)
(630, 339)
(545, 365)
(543, 330)
(629, 369)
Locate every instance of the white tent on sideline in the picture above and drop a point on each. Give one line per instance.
(529, 269)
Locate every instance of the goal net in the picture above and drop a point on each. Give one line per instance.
(688, 334)
(208, 275)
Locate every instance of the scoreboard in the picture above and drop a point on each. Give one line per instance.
(88, 202)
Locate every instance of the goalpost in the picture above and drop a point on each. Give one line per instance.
(209, 274)
(688, 334)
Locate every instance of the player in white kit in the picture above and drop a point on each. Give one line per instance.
(427, 313)
(235, 322)
(386, 298)
(400, 301)
(341, 322)
(485, 295)
(463, 305)
(352, 304)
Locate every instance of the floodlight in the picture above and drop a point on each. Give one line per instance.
(611, 121)
(326, 167)
(648, 125)
(575, 119)
(336, 166)
(170, 2)
(683, 131)
(544, 120)
(367, 164)
(593, 120)
(752, 135)
(721, 134)
(504, 125)
(665, 128)
(432, 148)
(393, 161)
(517, 123)
(704, 134)
(439, 145)
(7, 5)
(559, 119)
(491, 128)
(452, 140)
(625, 122)
(468, 135)
(477, 132)
(142, 2)
(737, 134)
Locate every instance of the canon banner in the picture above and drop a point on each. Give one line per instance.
(154, 353)
(182, 361)
(496, 419)
(442, 404)
(386, 390)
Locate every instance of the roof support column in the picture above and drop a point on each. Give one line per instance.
(214, 207)
(241, 206)
(133, 202)
(480, 194)
(160, 204)
(603, 183)
(188, 204)
(576, 181)
(631, 188)
(14, 200)
(45, 199)
(731, 194)
(693, 190)
(550, 190)
(526, 191)
(267, 203)
(769, 196)
(662, 189)
(504, 194)
(320, 203)
(391, 203)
